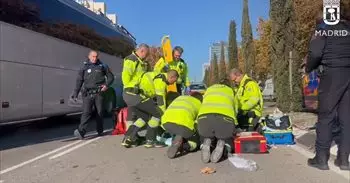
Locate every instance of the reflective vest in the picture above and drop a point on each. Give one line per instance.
(219, 99)
(133, 68)
(180, 66)
(160, 87)
(147, 85)
(182, 111)
(249, 96)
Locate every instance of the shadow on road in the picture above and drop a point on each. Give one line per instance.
(53, 129)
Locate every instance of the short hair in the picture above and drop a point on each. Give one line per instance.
(94, 51)
(179, 49)
(197, 95)
(142, 45)
(173, 73)
(225, 81)
(236, 71)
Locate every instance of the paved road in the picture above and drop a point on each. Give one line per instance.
(48, 153)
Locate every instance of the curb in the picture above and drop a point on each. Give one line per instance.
(306, 139)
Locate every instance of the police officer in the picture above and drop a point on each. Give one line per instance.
(250, 100)
(179, 119)
(133, 67)
(217, 120)
(333, 54)
(93, 75)
(151, 86)
(177, 64)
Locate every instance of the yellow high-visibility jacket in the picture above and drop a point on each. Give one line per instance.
(133, 68)
(249, 96)
(182, 111)
(180, 66)
(219, 99)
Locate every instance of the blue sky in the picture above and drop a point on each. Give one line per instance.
(192, 24)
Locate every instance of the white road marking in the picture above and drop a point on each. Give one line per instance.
(73, 148)
(1, 181)
(38, 157)
(332, 167)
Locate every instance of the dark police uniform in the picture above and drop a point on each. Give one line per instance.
(333, 54)
(92, 76)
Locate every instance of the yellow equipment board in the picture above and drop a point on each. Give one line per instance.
(168, 56)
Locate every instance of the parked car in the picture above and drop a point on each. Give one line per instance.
(198, 87)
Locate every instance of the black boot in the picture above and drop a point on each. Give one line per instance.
(320, 161)
(342, 161)
(130, 139)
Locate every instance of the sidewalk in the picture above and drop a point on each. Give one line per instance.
(302, 121)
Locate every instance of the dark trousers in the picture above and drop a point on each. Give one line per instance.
(216, 126)
(179, 88)
(186, 133)
(334, 103)
(144, 109)
(88, 102)
(175, 129)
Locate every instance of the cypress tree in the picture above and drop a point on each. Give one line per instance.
(232, 47)
(282, 42)
(222, 65)
(247, 41)
(206, 77)
(214, 71)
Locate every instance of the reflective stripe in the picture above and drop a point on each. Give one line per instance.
(216, 105)
(190, 110)
(193, 145)
(153, 122)
(140, 123)
(128, 124)
(219, 94)
(187, 102)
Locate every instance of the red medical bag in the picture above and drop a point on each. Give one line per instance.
(250, 142)
(120, 121)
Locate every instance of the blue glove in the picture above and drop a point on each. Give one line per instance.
(166, 68)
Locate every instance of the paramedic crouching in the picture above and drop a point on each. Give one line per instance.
(140, 97)
(250, 100)
(333, 53)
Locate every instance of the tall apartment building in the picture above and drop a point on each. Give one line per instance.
(99, 8)
(215, 48)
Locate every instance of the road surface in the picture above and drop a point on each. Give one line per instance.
(48, 153)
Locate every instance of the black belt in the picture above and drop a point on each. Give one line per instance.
(134, 90)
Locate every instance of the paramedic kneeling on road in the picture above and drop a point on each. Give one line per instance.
(179, 120)
(250, 101)
(217, 119)
(93, 75)
(143, 93)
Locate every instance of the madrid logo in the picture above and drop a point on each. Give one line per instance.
(331, 12)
